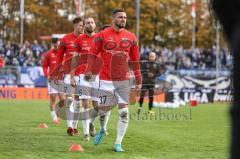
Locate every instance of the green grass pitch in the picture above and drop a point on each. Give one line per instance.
(186, 133)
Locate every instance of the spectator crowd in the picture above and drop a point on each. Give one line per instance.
(29, 54)
(180, 58)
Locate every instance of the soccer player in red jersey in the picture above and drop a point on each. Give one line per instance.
(64, 54)
(83, 44)
(117, 46)
(48, 65)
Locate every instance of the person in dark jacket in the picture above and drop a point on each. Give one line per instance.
(150, 69)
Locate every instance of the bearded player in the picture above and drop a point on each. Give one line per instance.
(117, 46)
(83, 44)
(87, 90)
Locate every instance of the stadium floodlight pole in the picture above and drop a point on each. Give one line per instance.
(194, 33)
(21, 21)
(193, 24)
(217, 53)
(137, 18)
(78, 4)
(83, 7)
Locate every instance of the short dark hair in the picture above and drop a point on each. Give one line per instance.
(54, 40)
(105, 26)
(115, 11)
(77, 20)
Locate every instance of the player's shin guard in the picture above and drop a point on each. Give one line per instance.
(53, 115)
(69, 111)
(122, 124)
(93, 115)
(85, 121)
(106, 118)
(76, 106)
(103, 119)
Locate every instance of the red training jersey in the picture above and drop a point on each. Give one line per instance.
(83, 44)
(117, 48)
(49, 62)
(66, 51)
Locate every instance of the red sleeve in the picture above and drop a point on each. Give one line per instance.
(96, 48)
(135, 61)
(61, 50)
(76, 51)
(77, 45)
(45, 64)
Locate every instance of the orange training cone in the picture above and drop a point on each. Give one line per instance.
(76, 147)
(42, 126)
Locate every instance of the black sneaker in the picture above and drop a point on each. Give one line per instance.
(92, 129)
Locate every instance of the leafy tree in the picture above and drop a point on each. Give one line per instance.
(45, 19)
(162, 22)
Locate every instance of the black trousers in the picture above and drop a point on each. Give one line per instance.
(150, 90)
